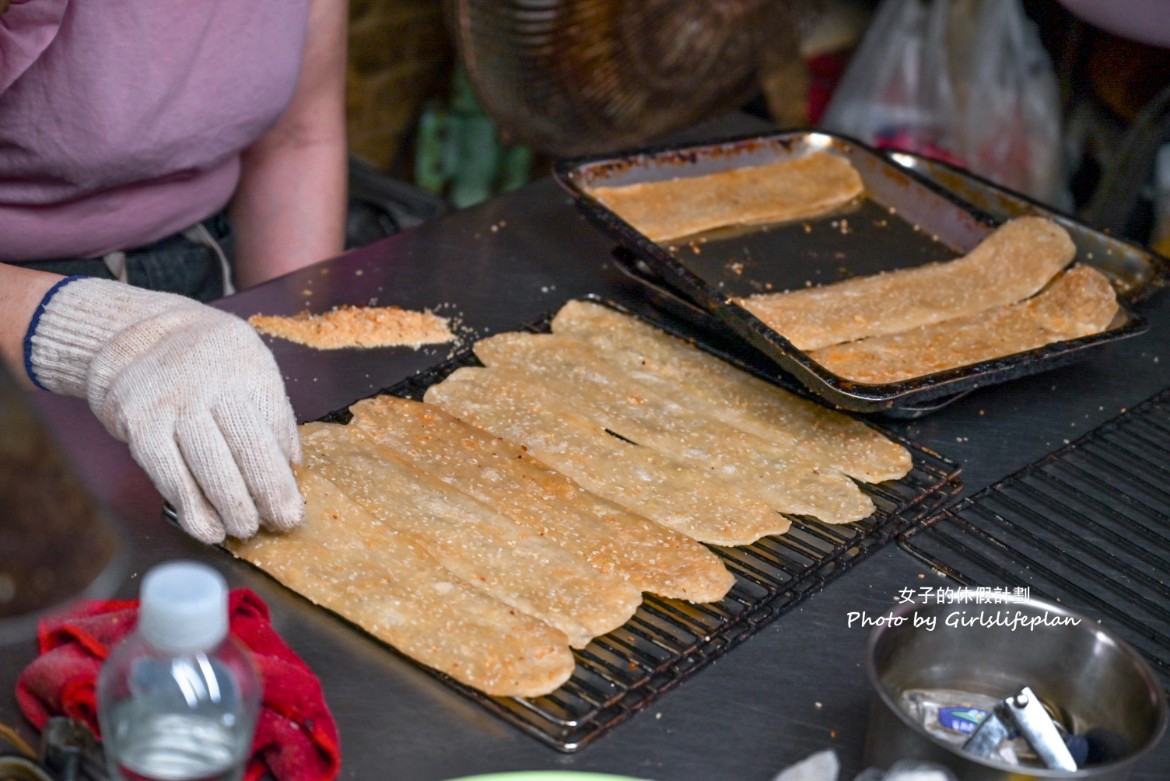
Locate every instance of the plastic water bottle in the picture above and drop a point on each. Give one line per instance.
(178, 698)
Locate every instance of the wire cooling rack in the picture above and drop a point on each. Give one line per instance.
(667, 641)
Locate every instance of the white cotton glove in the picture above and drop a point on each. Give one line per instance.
(193, 390)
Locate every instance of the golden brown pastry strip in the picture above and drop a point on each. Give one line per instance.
(1011, 264)
(1078, 303)
(786, 478)
(709, 385)
(791, 189)
(383, 580)
(505, 477)
(650, 484)
(476, 543)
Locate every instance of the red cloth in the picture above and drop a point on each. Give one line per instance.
(296, 737)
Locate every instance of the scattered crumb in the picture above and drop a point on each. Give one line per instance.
(355, 326)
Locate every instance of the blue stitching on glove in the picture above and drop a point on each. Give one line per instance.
(36, 319)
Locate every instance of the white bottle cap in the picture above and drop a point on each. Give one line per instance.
(183, 607)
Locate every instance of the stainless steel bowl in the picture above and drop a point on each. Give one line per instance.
(996, 648)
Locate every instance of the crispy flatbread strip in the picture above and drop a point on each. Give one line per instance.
(784, 477)
(705, 383)
(792, 189)
(505, 477)
(648, 483)
(1011, 264)
(345, 560)
(1078, 303)
(476, 543)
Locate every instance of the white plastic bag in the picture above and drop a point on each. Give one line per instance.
(821, 766)
(966, 81)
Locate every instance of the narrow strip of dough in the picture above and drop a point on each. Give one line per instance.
(476, 543)
(347, 561)
(707, 384)
(785, 477)
(1010, 264)
(1080, 302)
(648, 483)
(504, 476)
(791, 189)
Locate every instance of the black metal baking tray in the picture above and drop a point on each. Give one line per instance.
(668, 640)
(1087, 526)
(676, 314)
(903, 220)
(1136, 271)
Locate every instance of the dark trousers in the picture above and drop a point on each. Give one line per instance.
(176, 264)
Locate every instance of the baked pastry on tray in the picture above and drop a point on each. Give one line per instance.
(516, 514)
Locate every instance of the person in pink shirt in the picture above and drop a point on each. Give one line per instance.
(153, 154)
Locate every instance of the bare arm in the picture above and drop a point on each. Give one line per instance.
(21, 291)
(289, 210)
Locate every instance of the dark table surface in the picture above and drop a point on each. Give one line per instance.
(796, 687)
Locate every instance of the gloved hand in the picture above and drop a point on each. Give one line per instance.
(193, 390)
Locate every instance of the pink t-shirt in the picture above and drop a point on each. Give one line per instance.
(122, 122)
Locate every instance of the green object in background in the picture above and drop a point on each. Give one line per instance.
(459, 154)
